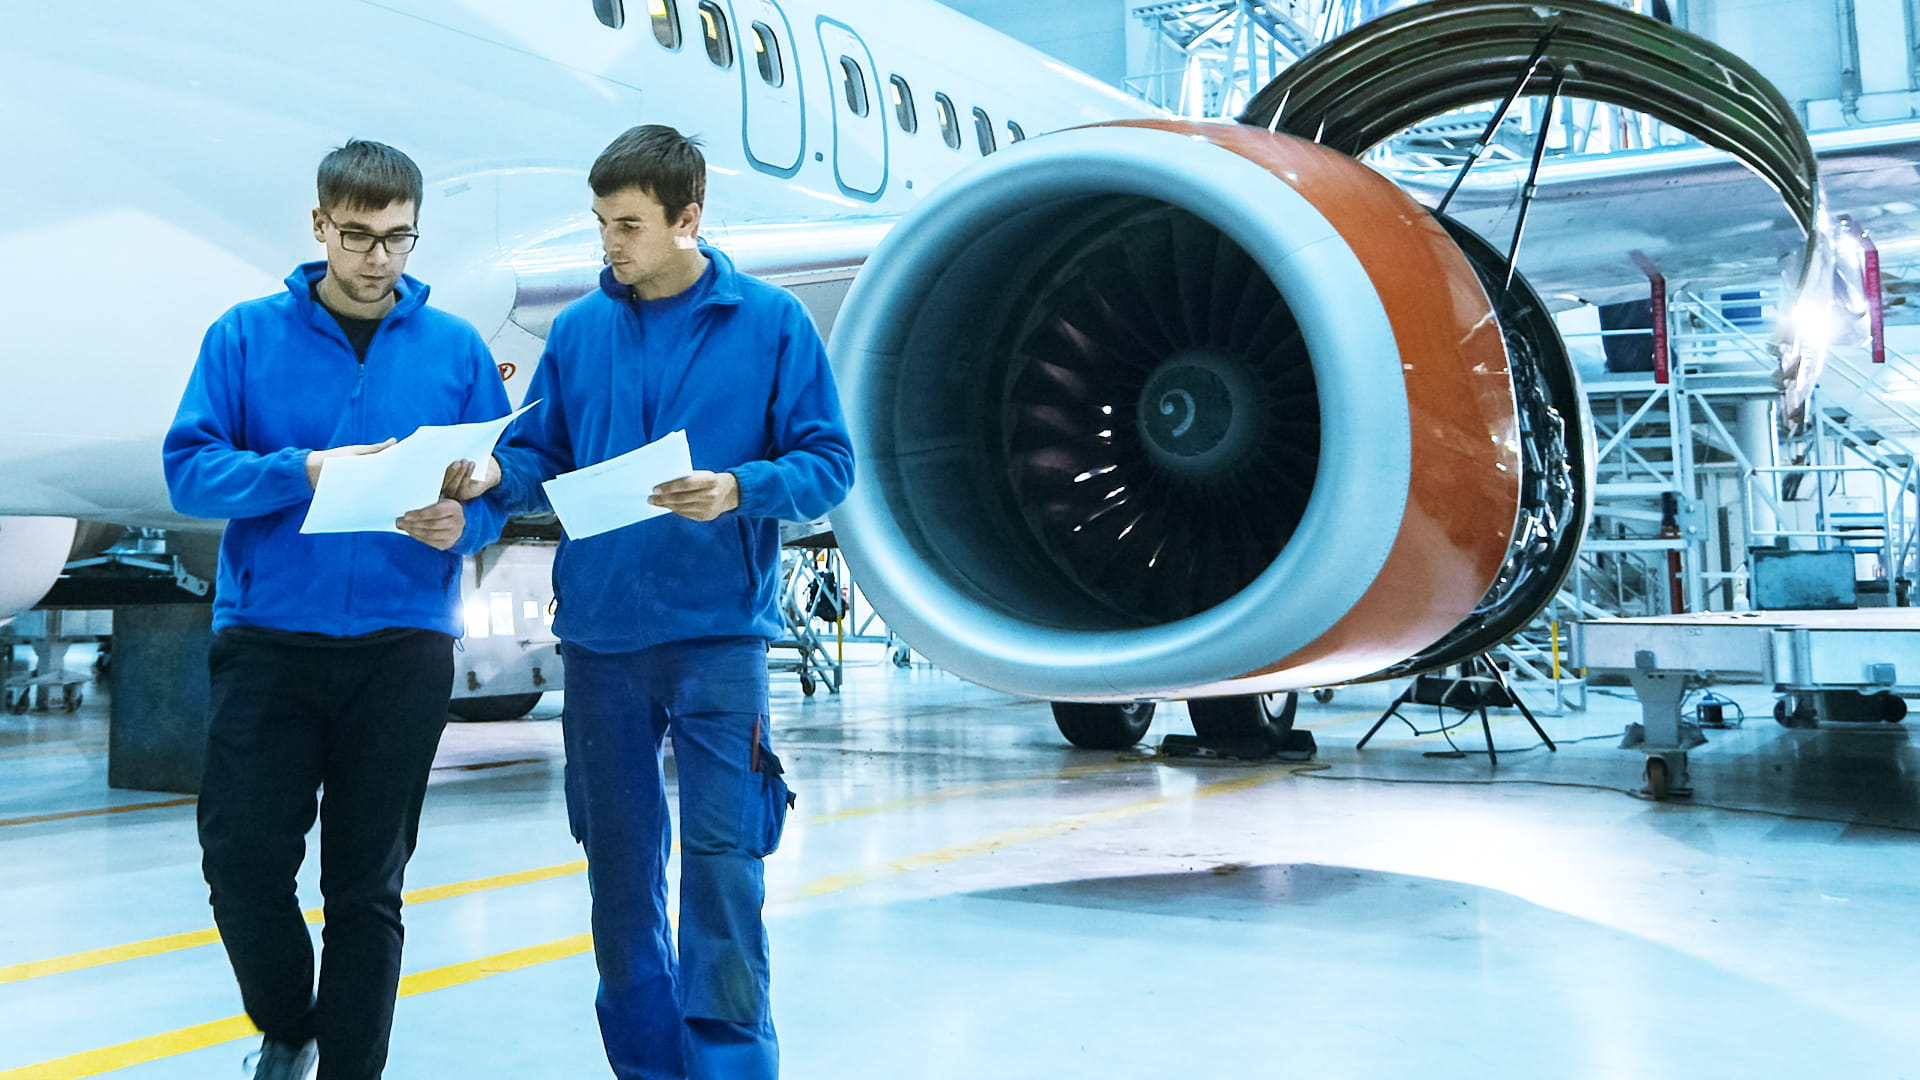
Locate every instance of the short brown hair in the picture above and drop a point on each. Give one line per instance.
(366, 175)
(659, 161)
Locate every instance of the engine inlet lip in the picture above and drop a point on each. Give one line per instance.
(1360, 487)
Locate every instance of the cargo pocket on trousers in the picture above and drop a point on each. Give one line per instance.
(576, 803)
(766, 805)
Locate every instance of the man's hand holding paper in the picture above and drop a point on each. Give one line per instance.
(318, 458)
(629, 488)
(442, 524)
(404, 487)
(482, 478)
(701, 496)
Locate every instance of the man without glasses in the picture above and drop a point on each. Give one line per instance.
(664, 624)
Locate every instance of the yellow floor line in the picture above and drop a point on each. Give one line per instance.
(92, 749)
(498, 881)
(191, 799)
(136, 1052)
(200, 1036)
(114, 954)
(97, 811)
(193, 939)
(440, 978)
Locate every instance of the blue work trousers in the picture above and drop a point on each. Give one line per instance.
(706, 1016)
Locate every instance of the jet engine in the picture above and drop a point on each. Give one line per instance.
(1171, 410)
(1161, 409)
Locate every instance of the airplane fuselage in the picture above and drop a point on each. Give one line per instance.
(169, 157)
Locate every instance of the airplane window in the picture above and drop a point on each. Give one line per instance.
(766, 53)
(903, 105)
(983, 132)
(665, 16)
(1019, 133)
(949, 121)
(713, 23)
(856, 84)
(611, 12)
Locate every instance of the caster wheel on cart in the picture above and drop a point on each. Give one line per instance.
(1659, 781)
(1795, 712)
(806, 684)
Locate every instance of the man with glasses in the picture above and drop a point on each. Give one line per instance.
(332, 660)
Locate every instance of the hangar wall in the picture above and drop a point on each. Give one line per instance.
(1840, 61)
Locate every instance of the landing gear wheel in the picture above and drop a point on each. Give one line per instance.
(1256, 723)
(1659, 782)
(494, 707)
(902, 655)
(1103, 727)
(1323, 696)
(806, 683)
(72, 699)
(20, 703)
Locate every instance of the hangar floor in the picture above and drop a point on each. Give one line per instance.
(964, 896)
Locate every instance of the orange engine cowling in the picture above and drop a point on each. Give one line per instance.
(1173, 409)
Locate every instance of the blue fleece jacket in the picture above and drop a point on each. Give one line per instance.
(277, 378)
(737, 363)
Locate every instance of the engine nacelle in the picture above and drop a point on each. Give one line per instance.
(1169, 409)
(33, 551)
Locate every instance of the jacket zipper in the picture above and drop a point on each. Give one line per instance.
(359, 432)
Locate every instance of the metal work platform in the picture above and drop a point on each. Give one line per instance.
(810, 593)
(1836, 665)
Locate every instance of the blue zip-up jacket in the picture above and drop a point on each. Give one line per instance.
(277, 378)
(737, 363)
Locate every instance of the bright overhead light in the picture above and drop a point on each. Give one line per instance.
(1816, 322)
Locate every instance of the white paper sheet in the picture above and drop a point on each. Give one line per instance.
(613, 493)
(366, 493)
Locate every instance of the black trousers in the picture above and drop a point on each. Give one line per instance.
(362, 719)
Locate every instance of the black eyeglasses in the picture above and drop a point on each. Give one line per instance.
(362, 242)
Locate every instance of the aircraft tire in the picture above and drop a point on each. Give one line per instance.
(1103, 727)
(494, 707)
(1247, 720)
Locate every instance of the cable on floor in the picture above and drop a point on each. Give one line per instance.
(1460, 751)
